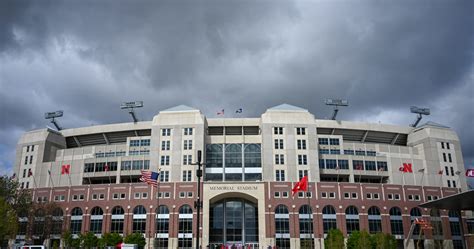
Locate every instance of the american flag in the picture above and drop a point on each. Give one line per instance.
(150, 177)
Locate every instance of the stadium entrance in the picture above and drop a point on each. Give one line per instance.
(233, 223)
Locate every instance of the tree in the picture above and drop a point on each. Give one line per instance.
(359, 240)
(335, 239)
(67, 239)
(89, 240)
(8, 218)
(135, 238)
(110, 239)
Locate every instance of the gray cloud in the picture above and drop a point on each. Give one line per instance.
(86, 58)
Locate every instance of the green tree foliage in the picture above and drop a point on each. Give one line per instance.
(67, 239)
(110, 239)
(335, 239)
(8, 220)
(88, 240)
(135, 238)
(363, 240)
(19, 199)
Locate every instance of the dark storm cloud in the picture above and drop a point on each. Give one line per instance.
(87, 57)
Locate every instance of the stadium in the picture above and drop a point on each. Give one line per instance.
(361, 176)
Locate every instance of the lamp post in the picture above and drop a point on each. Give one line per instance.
(198, 202)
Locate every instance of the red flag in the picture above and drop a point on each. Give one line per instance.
(470, 173)
(440, 172)
(359, 167)
(406, 168)
(65, 169)
(302, 185)
(30, 173)
(106, 167)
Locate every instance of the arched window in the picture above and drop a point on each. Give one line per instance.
(352, 219)
(252, 159)
(233, 159)
(306, 227)
(375, 220)
(185, 230)
(139, 219)
(282, 227)
(39, 223)
(57, 221)
(329, 218)
(396, 221)
(116, 224)
(162, 227)
(22, 222)
(97, 215)
(436, 223)
(76, 220)
(415, 213)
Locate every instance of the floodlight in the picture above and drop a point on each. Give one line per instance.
(52, 115)
(336, 103)
(130, 106)
(420, 112)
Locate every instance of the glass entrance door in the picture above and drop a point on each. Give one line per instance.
(233, 222)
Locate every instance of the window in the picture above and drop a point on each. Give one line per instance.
(134, 143)
(334, 141)
(165, 176)
(358, 165)
(162, 227)
(343, 164)
(94, 196)
(382, 166)
(97, 216)
(188, 131)
(300, 131)
(188, 145)
(335, 151)
(332, 195)
(347, 195)
(360, 153)
(354, 195)
(415, 213)
(302, 173)
(444, 157)
(324, 195)
(116, 224)
(282, 226)
(279, 144)
(329, 218)
(28, 148)
(33, 148)
(284, 194)
(278, 130)
(165, 160)
(280, 175)
(31, 159)
(352, 219)
(446, 171)
(396, 223)
(348, 152)
(276, 194)
(145, 142)
(397, 196)
(76, 220)
(306, 225)
(322, 164)
(371, 153)
(187, 159)
(185, 227)
(370, 165)
(331, 163)
(454, 223)
(449, 183)
(301, 144)
(139, 219)
(302, 160)
(323, 141)
(165, 145)
(447, 146)
(26, 160)
(449, 158)
(376, 196)
(323, 151)
(279, 159)
(137, 196)
(442, 145)
(452, 170)
(187, 175)
(368, 196)
(454, 183)
(24, 173)
(375, 220)
(190, 194)
(166, 132)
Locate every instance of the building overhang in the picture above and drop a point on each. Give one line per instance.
(461, 201)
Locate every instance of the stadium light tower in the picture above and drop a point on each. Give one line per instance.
(130, 106)
(52, 115)
(420, 112)
(336, 103)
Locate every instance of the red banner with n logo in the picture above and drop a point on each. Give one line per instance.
(65, 169)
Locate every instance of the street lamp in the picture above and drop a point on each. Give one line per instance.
(198, 202)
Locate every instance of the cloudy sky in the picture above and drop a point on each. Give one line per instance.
(86, 57)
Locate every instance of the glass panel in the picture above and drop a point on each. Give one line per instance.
(233, 156)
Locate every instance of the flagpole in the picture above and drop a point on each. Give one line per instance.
(157, 198)
(310, 213)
